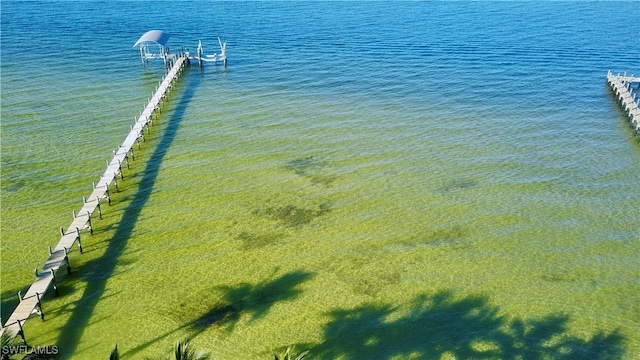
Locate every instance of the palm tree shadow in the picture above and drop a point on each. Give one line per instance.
(254, 300)
(242, 299)
(547, 338)
(462, 328)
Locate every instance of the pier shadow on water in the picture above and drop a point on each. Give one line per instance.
(98, 271)
(444, 326)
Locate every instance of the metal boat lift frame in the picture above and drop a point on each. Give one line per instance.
(159, 38)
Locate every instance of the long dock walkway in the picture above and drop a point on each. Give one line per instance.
(622, 87)
(31, 302)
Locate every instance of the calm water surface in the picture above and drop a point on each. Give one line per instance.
(365, 180)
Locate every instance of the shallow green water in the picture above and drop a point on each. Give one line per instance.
(333, 241)
(354, 208)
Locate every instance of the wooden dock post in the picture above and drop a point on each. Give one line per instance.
(99, 207)
(21, 332)
(53, 282)
(119, 172)
(66, 261)
(79, 240)
(115, 180)
(38, 308)
(89, 222)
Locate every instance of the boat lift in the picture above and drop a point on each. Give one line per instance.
(148, 42)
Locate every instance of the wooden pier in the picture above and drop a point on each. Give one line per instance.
(31, 302)
(627, 96)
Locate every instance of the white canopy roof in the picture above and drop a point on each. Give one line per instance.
(156, 36)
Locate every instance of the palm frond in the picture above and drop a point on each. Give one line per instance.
(5, 341)
(182, 350)
(115, 355)
(289, 354)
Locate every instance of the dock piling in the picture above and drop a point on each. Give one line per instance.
(79, 240)
(21, 333)
(53, 282)
(65, 261)
(89, 222)
(38, 307)
(99, 208)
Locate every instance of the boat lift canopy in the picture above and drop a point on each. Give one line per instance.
(156, 36)
(149, 38)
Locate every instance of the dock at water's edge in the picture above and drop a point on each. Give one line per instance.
(31, 302)
(627, 96)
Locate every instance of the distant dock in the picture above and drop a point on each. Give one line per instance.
(31, 302)
(627, 96)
